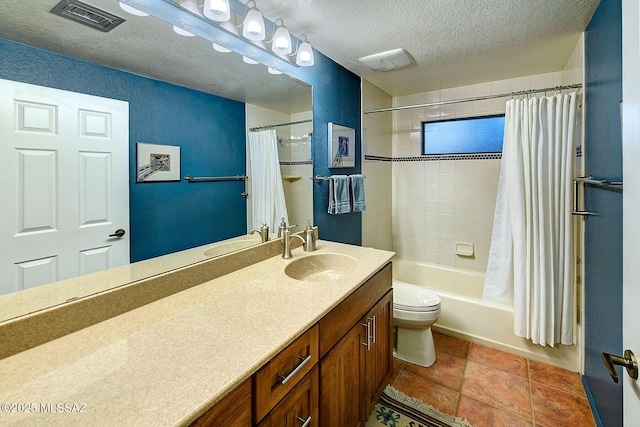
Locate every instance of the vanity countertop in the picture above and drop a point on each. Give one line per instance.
(167, 362)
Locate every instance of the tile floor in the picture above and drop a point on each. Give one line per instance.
(491, 388)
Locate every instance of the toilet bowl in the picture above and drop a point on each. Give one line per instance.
(415, 309)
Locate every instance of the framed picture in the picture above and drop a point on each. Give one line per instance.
(156, 162)
(342, 146)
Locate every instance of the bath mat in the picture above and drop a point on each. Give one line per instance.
(396, 409)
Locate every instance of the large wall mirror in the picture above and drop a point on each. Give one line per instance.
(250, 97)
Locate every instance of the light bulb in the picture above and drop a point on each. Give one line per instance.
(248, 60)
(274, 71)
(217, 10)
(253, 27)
(182, 32)
(132, 10)
(191, 6)
(304, 58)
(281, 41)
(220, 49)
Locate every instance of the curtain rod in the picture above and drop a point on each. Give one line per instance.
(478, 98)
(279, 125)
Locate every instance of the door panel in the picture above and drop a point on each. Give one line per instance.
(603, 233)
(631, 201)
(64, 166)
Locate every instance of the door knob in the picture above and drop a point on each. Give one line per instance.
(118, 233)
(628, 361)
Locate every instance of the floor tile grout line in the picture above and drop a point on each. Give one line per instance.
(497, 408)
(562, 390)
(464, 371)
(533, 415)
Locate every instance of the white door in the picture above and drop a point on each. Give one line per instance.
(631, 199)
(63, 184)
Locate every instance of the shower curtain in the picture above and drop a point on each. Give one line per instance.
(267, 194)
(531, 256)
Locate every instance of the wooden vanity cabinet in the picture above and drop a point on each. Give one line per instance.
(378, 358)
(359, 364)
(333, 374)
(299, 407)
(234, 410)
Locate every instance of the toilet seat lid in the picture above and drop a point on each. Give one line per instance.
(410, 297)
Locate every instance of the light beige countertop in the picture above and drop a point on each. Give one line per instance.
(167, 362)
(32, 300)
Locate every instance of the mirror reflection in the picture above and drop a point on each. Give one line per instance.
(193, 97)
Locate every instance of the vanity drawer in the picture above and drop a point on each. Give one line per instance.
(274, 380)
(299, 407)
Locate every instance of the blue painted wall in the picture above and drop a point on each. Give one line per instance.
(336, 98)
(171, 216)
(603, 240)
(162, 113)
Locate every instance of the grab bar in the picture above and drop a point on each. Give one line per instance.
(588, 180)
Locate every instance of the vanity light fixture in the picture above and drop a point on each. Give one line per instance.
(132, 10)
(304, 53)
(274, 71)
(191, 6)
(253, 25)
(217, 10)
(281, 41)
(248, 60)
(230, 27)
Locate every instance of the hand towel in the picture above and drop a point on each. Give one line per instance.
(357, 193)
(339, 200)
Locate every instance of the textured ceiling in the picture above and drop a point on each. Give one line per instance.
(454, 42)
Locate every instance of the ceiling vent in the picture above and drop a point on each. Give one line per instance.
(86, 14)
(389, 60)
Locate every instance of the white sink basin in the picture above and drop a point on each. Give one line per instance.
(321, 267)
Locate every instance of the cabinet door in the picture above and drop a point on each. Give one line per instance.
(299, 407)
(340, 389)
(378, 356)
(234, 410)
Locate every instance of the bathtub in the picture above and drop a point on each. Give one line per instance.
(465, 315)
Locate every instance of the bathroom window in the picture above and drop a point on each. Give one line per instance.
(463, 136)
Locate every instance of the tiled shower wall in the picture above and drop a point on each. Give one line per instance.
(437, 203)
(295, 165)
(376, 141)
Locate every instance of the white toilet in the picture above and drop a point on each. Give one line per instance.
(415, 309)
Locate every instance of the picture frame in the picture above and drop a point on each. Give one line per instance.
(342, 146)
(157, 163)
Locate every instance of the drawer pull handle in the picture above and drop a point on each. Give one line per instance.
(368, 328)
(373, 337)
(305, 422)
(288, 377)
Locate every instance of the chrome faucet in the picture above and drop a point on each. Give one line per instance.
(286, 241)
(309, 238)
(264, 232)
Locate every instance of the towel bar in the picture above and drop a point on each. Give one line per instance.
(319, 178)
(214, 178)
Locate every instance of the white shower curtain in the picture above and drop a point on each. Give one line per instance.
(531, 257)
(267, 194)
